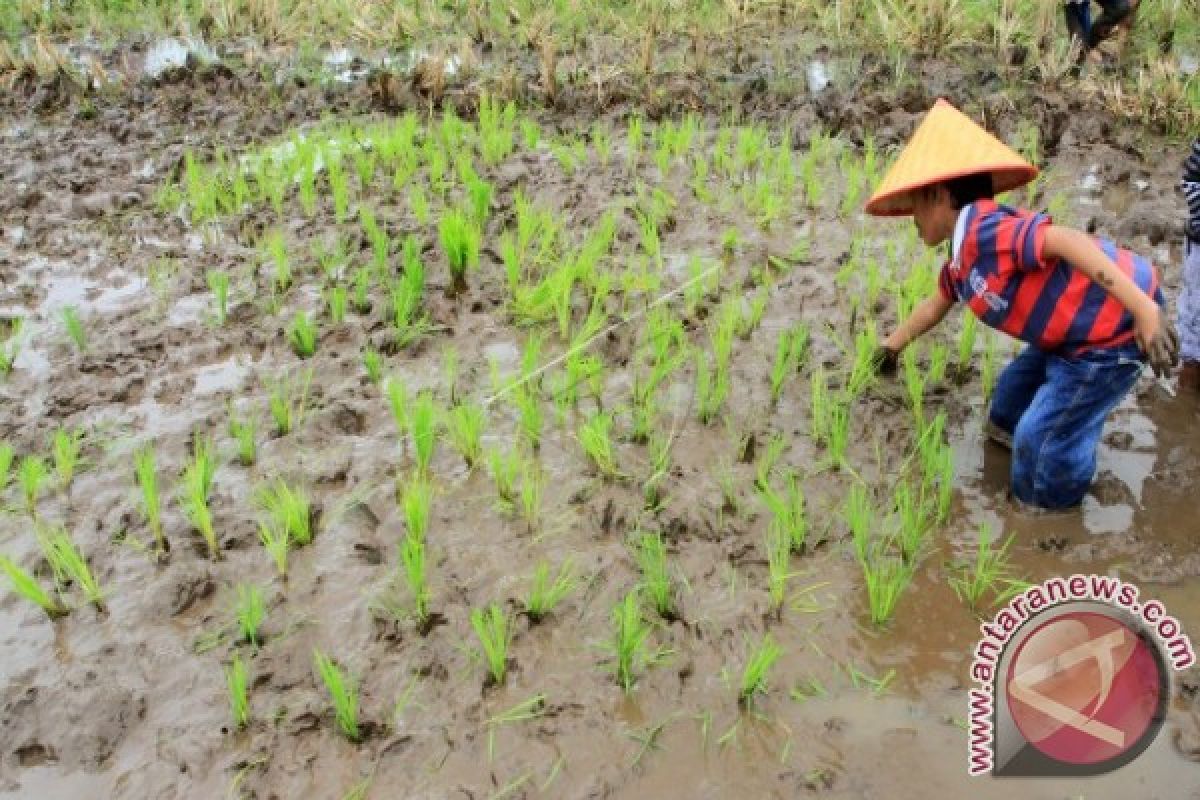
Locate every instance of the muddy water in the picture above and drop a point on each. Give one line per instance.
(131, 703)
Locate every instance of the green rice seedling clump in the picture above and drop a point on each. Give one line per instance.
(147, 479)
(7, 458)
(302, 335)
(596, 439)
(423, 429)
(343, 692)
(413, 561)
(66, 560)
(236, 682)
(250, 610)
(287, 402)
(66, 446)
(197, 483)
(74, 327)
(373, 365)
(289, 510)
(990, 571)
(651, 555)
(32, 474)
(630, 643)
(758, 665)
(26, 585)
(218, 283)
(243, 432)
(464, 425)
(545, 594)
(492, 627)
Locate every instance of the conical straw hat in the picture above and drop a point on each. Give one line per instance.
(948, 144)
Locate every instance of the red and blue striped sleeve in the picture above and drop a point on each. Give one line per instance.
(1008, 240)
(946, 284)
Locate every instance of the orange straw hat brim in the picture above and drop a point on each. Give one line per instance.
(948, 144)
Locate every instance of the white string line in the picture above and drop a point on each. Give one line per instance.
(586, 343)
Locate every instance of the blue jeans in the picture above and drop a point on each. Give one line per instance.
(1054, 407)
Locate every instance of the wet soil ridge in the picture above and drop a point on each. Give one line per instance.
(507, 453)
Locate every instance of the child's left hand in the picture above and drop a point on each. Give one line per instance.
(1159, 341)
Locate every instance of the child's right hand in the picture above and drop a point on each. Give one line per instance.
(1158, 340)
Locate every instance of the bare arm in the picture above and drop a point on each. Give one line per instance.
(1154, 334)
(929, 313)
(1083, 254)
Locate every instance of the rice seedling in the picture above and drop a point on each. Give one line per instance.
(464, 424)
(412, 559)
(250, 610)
(416, 500)
(886, 578)
(287, 402)
(7, 457)
(531, 133)
(339, 188)
(281, 279)
(243, 432)
(863, 372)
(530, 416)
(914, 381)
(336, 299)
(495, 635)
(277, 542)
(859, 515)
(67, 561)
(939, 356)
(787, 510)
(505, 469)
(533, 481)
(66, 447)
(838, 430)
(288, 509)
(343, 691)
(147, 478)
(26, 585)
(11, 347)
(650, 552)
(990, 571)
(712, 388)
(422, 418)
(362, 288)
(819, 404)
(418, 203)
(912, 512)
(74, 328)
(32, 474)
(372, 364)
(966, 343)
(987, 367)
(197, 482)
(754, 674)
(779, 566)
(218, 284)
(634, 136)
(544, 594)
(596, 440)
(790, 351)
(461, 240)
(630, 643)
(302, 334)
(236, 683)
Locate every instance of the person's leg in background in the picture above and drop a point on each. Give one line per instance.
(1054, 446)
(1013, 393)
(1115, 12)
(1079, 23)
(1189, 319)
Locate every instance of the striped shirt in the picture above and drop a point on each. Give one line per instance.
(999, 270)
(1191, 190)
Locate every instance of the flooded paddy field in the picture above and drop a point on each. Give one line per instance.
(619, 343)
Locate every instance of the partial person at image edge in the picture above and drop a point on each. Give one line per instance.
(1090, 312)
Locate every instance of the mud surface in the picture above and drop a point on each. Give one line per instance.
(131, 703)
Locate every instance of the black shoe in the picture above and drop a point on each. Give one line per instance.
(1115, 12)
